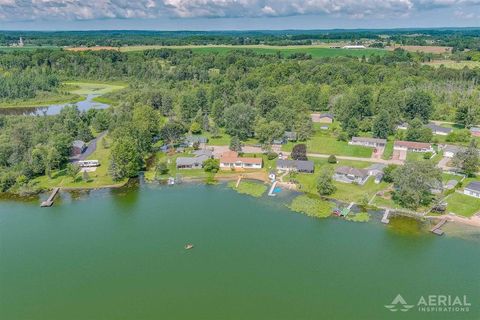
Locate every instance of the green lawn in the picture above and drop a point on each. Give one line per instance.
(255, 189)
(388, 152)
(325, 144)
(97, 179)
(345, 191)
(463, 205)
(87, 87)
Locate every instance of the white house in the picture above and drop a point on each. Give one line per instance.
(412, 146)
(368, 142)
(473, 189)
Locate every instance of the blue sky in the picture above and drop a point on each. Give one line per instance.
(235, 14)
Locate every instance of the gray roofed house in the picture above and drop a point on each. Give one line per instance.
(296, 165)
(78, 147)
(191, 140)
(351, 175)
(322, 117)
(475, 131)
(203, 152)
(376, 168)
(191, 163)
(473, 189)
(451, 184)
(438, 130)
(368, 142)
(450, 151)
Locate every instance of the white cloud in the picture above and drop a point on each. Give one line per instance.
(14, 10)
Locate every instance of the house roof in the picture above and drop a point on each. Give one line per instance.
(475, 186)
(290, 135)
(326, 115)
(79, 144)
(184, 161)
(203, 152)
(193, 139)
(299, 164)
(232, 157)
(413, 145)
(361, 173)
(437, 128)
(475, 129)
(453, 149)
(377, 167)
(370, 140)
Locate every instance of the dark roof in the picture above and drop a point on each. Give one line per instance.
(183, 161)
(438, 128)
(79, 144)
(326, 115)
(299, 164)
(352, 171)
(203, 152)
(475, 186)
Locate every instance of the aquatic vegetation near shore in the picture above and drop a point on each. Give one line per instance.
(310, 206)
(405, 225)
(359, 217)
(253, 189)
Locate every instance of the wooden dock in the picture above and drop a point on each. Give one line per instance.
(272, 189)
(238, 181)
(385, 217)
(49, 201)
(437, 228)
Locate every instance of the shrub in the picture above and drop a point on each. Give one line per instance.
(272, 155)
(427, 155)
(332, 159)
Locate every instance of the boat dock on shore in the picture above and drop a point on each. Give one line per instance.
(437, 228)
(49, 202)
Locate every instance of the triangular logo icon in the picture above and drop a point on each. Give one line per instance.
(398, 303)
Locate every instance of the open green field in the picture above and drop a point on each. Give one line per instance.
(85, 88)
(325, 144)
(28, 48)
(462, 205)
(254, 189)
(314, 51)
(453, 64)
(69, 92)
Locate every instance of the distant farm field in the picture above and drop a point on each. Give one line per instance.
(28, 48)
(314, 51)
(453, 64)
(425, 49)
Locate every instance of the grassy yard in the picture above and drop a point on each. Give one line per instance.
(254, 189)
(453, 64)
(388, 152)
(345, 191)
(463, 205)
(325, 144)
(97, 179)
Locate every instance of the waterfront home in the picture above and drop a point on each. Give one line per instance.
(412, 146)
(473, 189)
(376, 170)
(231, 160)
(191, 163)
(296, 166)
(450, 151)
(351, 175)
(475, 131)
(322, 117)
(438, 130)
(368, 142)
(190, 141)
(78, 147)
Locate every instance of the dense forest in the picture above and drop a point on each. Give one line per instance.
(246, 94)
(458, 38)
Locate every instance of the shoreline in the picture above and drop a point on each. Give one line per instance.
(474, 221)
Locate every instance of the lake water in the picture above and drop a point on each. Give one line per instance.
(119, 254)
(54, 109)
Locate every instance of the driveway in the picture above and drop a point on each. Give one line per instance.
(92, 146)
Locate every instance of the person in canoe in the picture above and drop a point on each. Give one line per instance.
(188, 246)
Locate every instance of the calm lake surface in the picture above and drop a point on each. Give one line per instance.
(55, 109)
(119, 254)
